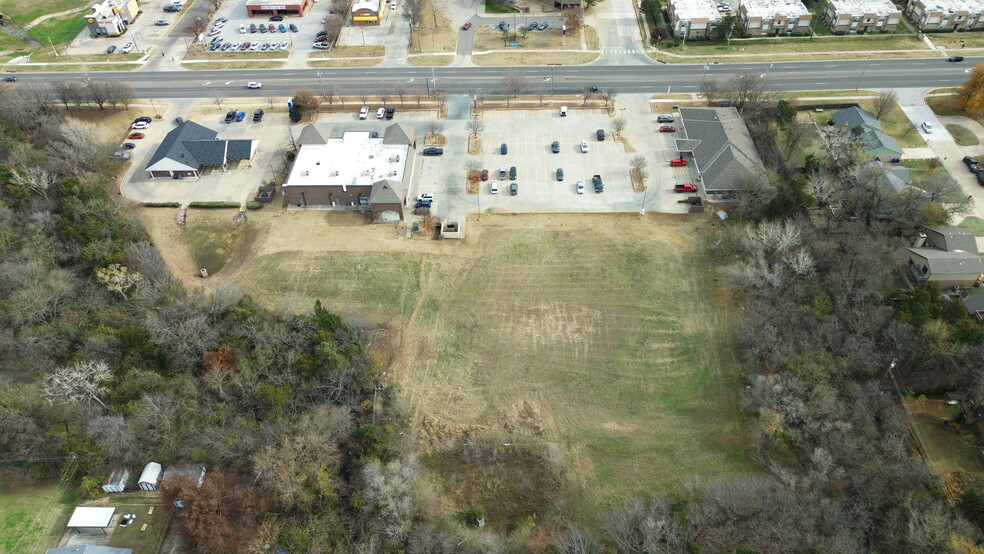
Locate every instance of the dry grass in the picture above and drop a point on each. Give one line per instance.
(535, 40)
(369, 51)
(349, 62)
(614, 355)
(232, 65)
(434, 33)
(427, 61)
(534, 58)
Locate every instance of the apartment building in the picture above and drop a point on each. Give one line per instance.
(775, 17)
(694, 18)
(931, 15)
(862, 16)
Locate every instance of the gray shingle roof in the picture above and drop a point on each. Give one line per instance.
(175, 147)
(950, 265)
(397, 134)
(240, 149)
(974, 303)
(314, 133)
(878, 143)
(723, 150)
(951, 238)
(855, 116)
(386, 192)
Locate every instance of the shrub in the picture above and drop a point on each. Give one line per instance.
(254, 205)
(90, 488)
(162, 204)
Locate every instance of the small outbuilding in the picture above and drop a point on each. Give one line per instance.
(88, 549)
(117, 480)
(150, 477)
(195, 473)
(86, 518)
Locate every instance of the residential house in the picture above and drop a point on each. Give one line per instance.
(948, 256)
(111, 18)
(862, 16)
(975, 307)
(872, 141)
(939, 15)
(694, 18)
(717, 143)
(775, 17)
(189, 148)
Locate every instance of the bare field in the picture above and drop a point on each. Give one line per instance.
(601, 335)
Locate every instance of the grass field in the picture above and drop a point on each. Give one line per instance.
(947, 452)
(26, 11)
(33, 518)
(962, 135)
(58, 30)
(973, 224)
(602, 335)
(142, 542)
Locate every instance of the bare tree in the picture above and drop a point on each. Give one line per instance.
(750, 94)
(441, 96)
(82, 383)
(216, 4)
(218, 99)
(333, 28)
(639, 166)
(884, 102)
(473, 165)
(98, 93)
(434, 127)
(573, 18)
(540, 93)
(610, 94)
(475, 126)
(575, 540)
(418, 95)
(121, 93)
(400, 90)
(711, 91)
(198, 26)
(512, 84)
(412, 11)
(384, 95)
(585, 95)
(364, 97)
(618, 125)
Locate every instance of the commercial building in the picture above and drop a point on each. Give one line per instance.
(263, 8)
(357, 170)
(775, 17)
(933, 15)
(861, 16)
(694, 18)
(717, 143)
(365, 12)
(189, 148)
(111, 18)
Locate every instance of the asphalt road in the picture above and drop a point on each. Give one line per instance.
(656, 78)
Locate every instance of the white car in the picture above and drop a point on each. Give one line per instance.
(140, 125)
(254, 84)
(426, 196)
(283, 45)
(494, 189)
(127, 48)
(579, 187)
(364, 112)
(928, 127)
(242, 29)
(255, 46)
(584, 146)
(380, 113)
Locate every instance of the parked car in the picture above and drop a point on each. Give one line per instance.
(242, 29)
(560, 174)
(928, 127)
(363, 112)
(120, 154)
(162, 22)
(293, 28)
(263, 28)
(282, 28)
(667, 129)
(512, 172)
(320, 46)
(426, 196)
(513, 189)
(136, 136)
(599, 186)
(502, 173)
(265, 46)
(955, 59)
(127, 48)
(504, 149)
(140, 125)
(254, 84)
(584, 147)
(257, 116)
(380, 113)
(503, 26)
(532, 26)
(563, 111)
(600, 134)
(972, 164)
(254, 46)
(484, 175)
(422, 204)
(172, 9)
(111, 49)
(579, 187)
(252, 27)
(555, 147)
(390, 112)
(664, 118)
(144, 118)
(432, 151)
(980, 178)
(543, 26)
(466, 26)
(283, 45)
(272, 28)
(230, 116)
(128, 146)
(678, 162)
(240, 116)
(685, 187)
(494, 187)
(277, 18)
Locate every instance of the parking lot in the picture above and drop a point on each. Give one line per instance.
(529, 150)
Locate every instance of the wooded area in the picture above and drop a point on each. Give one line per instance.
(104, 356)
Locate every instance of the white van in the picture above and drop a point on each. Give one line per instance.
(563, 111)
(494, 189)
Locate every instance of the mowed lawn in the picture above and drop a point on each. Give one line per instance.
(25, 11)
(33, 518)
(603, 335)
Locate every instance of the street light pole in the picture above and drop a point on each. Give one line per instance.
(133, 37)
(863, 68)
(322, 81)
(552, 66)
(704, 78)
(434, 78)
(766, 74)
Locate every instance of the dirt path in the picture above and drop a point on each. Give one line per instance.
(52, 15)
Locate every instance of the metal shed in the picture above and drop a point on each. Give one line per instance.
(91, 517)
(117, 480)
(150, 477)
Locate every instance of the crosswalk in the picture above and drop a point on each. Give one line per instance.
(622, 51)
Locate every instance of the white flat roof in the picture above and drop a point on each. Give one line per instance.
(856, 7)
(353, 160)
(696, 9)
(972, 6)
(365, 4)
(92, 516)
(770, 8)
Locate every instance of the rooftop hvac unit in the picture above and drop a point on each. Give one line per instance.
(305, 173)
(334, 173)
